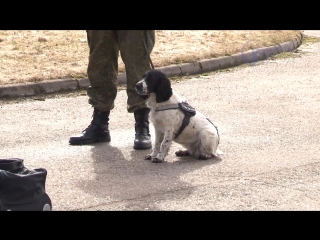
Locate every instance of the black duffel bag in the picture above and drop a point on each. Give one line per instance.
(22, 189)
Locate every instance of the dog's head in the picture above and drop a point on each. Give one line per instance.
(155, 81)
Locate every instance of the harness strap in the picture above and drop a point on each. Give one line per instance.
(185, 120)
(185, 123)
(188, 113)
(167, 107)
(216, 129)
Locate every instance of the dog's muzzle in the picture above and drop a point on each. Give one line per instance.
(140, 88)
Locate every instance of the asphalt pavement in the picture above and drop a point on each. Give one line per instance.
(267, 113)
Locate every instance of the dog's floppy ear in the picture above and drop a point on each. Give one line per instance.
(163, 90)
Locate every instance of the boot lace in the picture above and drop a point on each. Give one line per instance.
(142, 130)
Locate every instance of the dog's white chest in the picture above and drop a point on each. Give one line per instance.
(168, 119)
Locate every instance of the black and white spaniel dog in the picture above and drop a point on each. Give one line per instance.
(175, 120)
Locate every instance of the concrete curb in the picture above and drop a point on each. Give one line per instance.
(206, 65)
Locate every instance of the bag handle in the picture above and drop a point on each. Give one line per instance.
(11, 164)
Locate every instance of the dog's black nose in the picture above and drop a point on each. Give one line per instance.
(139, 87)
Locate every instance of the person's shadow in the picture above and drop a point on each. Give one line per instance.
(125, 178)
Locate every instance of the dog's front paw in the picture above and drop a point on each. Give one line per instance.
(148, 157)
(156, 160)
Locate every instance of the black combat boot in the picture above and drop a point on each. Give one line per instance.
(97, 131)
(142, 138)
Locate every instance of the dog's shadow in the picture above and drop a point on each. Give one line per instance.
(123, 177)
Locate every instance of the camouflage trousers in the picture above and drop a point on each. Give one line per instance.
(135, 47)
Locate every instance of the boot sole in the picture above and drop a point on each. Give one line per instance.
(142, 146)
(88, 141)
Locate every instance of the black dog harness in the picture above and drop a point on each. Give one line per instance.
(188, 113)
(185, 108)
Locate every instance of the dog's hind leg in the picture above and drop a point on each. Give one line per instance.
(182, 153)
(206, 146)
(204, 156)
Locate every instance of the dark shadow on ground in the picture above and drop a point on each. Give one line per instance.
(126, 178)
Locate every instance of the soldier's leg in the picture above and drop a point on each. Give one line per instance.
(135, 48)
(102, 74)
(102, 68)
